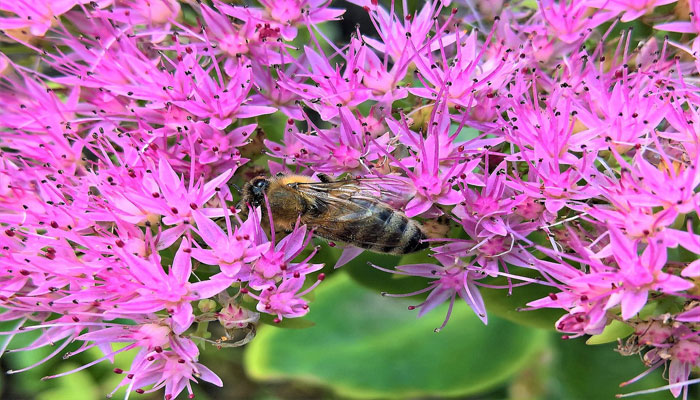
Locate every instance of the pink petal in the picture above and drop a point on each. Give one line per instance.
(435, 298)
(169, 236)
(670, 283)
(205, 256)
(182, 263)
(692, 315)
(167, 176)
(208, 375)
(182, 317)
(349, 253)
(293, 242)
(632, 301)
(215, 285)
(692, 270)
(452, 197)
(472, 297)
(417, 205)
(678, 371)
(208, 230)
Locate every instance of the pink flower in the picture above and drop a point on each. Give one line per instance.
(37, 16)
(452, 278)
(230, 250)
(631, 9)
(286, 299)
(172, 291)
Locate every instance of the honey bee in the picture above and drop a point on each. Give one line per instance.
(343, 211)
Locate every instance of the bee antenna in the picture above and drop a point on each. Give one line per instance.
(238, 189)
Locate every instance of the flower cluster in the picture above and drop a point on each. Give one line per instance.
(545, 147)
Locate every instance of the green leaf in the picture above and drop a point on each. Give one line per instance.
(499, 303)
(615, 330)
(288, 323)
(465, 134)
(368, 346)
(595, 372)
(273, 125)
(368, 276)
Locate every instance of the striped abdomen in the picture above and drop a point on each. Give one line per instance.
(375, 226)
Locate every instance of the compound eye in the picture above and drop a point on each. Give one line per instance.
(259, 183)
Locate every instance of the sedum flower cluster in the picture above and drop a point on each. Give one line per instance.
(544, 143)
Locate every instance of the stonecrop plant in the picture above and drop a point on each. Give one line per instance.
(546, 143)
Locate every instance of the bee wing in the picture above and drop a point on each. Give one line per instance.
(389, 191)
(348, 208)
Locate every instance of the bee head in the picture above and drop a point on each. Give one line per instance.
(257, 189)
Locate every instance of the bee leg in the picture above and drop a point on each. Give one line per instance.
(324, 178)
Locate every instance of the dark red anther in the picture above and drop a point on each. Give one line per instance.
(54, 224)
(321, 276)
(118, 371)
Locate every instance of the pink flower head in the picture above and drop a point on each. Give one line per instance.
(332, 88)
(568, 21)
(174, 370)
(230, 250)
(276, 264)
(37, 16)
(172, 291)
(402, 38)
(452, 278)
(631, 9)
(286, 299)
(287, 14)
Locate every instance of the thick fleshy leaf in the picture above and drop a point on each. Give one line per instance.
(369, 346)
(614, 331)
(595, 372)
(500, 304)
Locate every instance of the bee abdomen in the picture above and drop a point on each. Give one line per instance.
(395, 233)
